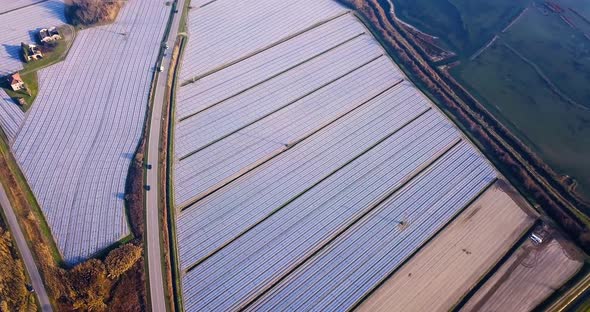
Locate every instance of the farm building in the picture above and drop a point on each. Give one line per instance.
(15, 82)
(31, 52)
(47, 35)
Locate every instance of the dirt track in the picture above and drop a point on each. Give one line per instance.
(527, 278)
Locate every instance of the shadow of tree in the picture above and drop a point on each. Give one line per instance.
(13, 51)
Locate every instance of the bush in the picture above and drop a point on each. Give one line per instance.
(90, 12)
(122, 259)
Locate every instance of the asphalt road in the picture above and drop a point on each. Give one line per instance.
(153, 229)
(25, 252)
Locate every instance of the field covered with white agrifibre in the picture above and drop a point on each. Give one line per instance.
(19, 22)
(11, 116)
(306, 167)
(79, 138)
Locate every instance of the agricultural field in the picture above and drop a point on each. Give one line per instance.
(304, 157)
(16, 26)
(78, 140)
(17, 4)
(529, 276)
(472, 244)
(463, 25)
(11, 116)
(528, 63)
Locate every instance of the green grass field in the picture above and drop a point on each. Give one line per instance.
(534, 78)
(562, 53)
(512, 90)
(464, 25)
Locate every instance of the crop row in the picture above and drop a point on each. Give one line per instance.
(283, 241)
(274, 94)
(347, 268)
(282, 128)
(288, 175)
(16, 4)
(225, 44)
(261, 67)
(77, 143)
(457, 258)
(11, 116)
(21, 26)
(528, 277)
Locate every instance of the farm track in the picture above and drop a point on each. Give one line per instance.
(552, 86)
(527, 278)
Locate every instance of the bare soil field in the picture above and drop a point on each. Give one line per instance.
(456, 258)
(528, 277)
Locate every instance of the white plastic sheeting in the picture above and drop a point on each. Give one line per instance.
(285, 239)
(280, 129)
(11, 5)
(350, 266)
(21, 26)
(11, 116)
(236, 29)
(79, 138)
(201, 228)
(299, 149)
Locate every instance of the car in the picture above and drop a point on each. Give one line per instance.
(30, 288)
(161, 68)
(148, 166)
(147, 187)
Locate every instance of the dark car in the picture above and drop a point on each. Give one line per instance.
(147, 187)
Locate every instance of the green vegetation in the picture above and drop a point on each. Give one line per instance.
(32, 89)
(511, 89)
(52, 54)
(533, 78)
(464, 25)
(562, 53)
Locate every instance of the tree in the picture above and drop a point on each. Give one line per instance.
(122, 259)
(90, 12)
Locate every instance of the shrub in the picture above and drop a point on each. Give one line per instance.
(90, 12)
(122, 259)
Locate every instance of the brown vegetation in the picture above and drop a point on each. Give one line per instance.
(13, 292)
(122, 259)
(514, 158)
(86, 286)
(168, 206)
(92, 12)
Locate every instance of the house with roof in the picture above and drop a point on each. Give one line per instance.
(47, 35)
(16, 83)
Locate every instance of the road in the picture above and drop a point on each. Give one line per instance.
(153, 229)
(25, 252)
